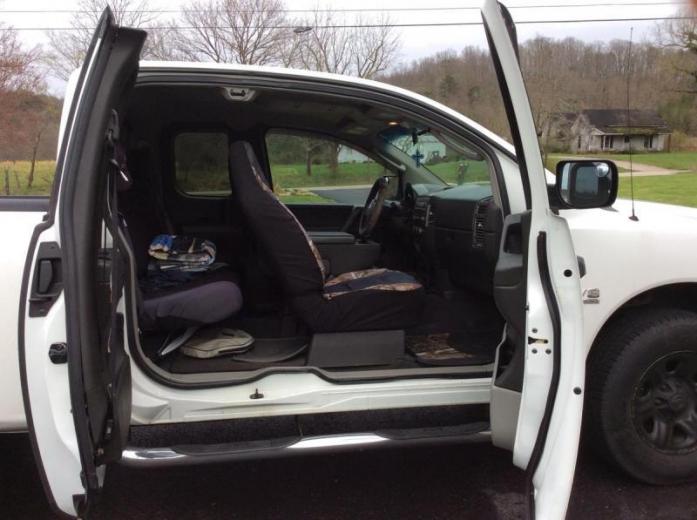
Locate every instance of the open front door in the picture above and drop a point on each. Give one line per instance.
(537, 394)
(74, 367)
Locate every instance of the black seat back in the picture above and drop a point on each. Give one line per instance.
(295, 257)
(139, 206)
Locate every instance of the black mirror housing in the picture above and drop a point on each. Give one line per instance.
(586, 183)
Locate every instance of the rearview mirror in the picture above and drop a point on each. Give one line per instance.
(583, 184)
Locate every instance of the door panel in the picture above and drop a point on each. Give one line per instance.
(548, 350)
(75, 373)
(17, 222)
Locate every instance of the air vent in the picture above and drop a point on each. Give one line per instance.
(430, 215)
(481, 212)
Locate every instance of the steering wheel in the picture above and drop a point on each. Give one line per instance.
(373, 207)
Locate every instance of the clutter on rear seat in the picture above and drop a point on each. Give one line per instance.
(181, 253)
(185, 288)
(177, 260)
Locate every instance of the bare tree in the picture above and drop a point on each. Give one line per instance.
(681, 35)
(250, 32)
(17, 65)
(68, 48)
(361, 48)
(18, 77)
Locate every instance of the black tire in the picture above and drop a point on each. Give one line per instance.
(642, 388)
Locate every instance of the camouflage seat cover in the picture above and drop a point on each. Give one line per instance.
(373, 299)
(370, 279)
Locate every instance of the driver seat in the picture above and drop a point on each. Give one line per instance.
(372, 299)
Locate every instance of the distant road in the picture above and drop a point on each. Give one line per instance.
(343, 194)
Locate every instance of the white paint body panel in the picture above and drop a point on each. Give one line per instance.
(49, 390)
(625, 258)
(16, 228)
(296, 394)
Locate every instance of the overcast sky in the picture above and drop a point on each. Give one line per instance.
(416, 41)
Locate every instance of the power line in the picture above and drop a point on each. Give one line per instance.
(355, 10)
(375, 25)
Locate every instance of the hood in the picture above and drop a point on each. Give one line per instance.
(653, 210)
(651, 216)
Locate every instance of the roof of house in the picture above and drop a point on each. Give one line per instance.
(615, 120)
(566, 116)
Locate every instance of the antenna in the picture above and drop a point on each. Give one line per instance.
(629, 125)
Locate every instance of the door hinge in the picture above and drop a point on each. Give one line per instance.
(58, 353)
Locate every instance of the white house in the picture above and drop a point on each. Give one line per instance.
(615, 130)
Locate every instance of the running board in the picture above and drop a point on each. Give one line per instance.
(291, 446)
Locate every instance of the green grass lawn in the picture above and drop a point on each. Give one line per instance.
(348, 174)
(668, 160)
(448, 171)
(17, 173)
(680, 189)
(287, 176)
(304, 198)
(553, 159)
(671, 189)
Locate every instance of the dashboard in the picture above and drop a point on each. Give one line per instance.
(457, 229)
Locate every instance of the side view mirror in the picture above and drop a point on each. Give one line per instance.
(584, 184)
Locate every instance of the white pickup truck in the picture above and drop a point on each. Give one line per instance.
(472, 296)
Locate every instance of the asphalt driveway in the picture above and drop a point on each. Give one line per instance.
(473, 481)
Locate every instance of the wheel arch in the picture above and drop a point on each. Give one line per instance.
(681, 295)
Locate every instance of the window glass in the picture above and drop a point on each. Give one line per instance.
(430, 153)
(26, 177)
(201, 163)
(309, 169)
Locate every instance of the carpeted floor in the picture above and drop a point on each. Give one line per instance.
(462, 329)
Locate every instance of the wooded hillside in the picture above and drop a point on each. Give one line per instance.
(561, 76)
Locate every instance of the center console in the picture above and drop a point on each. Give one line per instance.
(342, 253)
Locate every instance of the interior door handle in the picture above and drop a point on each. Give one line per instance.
(47, 283)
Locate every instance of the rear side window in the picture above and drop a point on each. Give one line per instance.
(201, 163)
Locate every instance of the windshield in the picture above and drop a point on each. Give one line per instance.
(435, 155)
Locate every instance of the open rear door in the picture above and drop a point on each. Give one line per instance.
(74, 367)
(537, 394)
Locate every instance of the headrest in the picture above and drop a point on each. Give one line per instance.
(124, 181)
